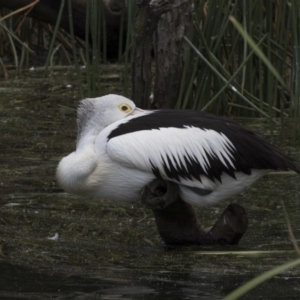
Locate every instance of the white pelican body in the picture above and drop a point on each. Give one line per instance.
(121, 148)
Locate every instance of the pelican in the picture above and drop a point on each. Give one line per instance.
(121, 148)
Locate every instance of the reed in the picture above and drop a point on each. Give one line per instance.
(227, 44)
(247, 287)
(243, 61)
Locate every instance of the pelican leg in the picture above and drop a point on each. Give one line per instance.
(159, 194)
(231, 225)
(178, 224)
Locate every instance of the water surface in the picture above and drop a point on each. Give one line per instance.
(108, 250)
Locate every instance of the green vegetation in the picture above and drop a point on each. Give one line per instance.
(243, 60)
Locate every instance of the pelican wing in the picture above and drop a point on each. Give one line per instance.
(188, 146)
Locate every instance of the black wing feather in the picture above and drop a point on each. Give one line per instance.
(251, 151)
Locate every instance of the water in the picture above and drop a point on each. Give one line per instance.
(107, 250)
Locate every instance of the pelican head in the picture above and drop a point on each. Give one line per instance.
(94, 114)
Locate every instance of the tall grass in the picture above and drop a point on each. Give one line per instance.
(226, 33)
(244, 55)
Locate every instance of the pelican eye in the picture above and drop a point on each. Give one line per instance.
(124, 107)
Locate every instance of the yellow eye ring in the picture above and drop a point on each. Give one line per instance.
(124, 107)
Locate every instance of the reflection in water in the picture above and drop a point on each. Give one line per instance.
(106, 250)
